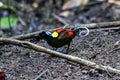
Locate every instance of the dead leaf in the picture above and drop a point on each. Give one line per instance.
(35, 5)
(2, 75)
(65, 13)
(74, 3)
(117, 44)
(115, 2)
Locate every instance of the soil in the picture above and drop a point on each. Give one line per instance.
(26, 64)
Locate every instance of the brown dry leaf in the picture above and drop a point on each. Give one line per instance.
(115, 2)
(2, 75)
(65, 13)
(74, 3)
(35, 5)
(117, 44)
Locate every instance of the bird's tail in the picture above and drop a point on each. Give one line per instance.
(82, 31)
(79, 30)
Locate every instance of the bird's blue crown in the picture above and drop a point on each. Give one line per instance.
(48, 33)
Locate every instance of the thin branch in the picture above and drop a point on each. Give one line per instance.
(114, 24)
(115, 49)
(39, 76)
(104, 29)
(101, 25)
(58, 54)
(59, 18)
(26, 36)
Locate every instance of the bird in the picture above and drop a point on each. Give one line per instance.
(59, 37)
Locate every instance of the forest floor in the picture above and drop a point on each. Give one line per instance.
(26, 64)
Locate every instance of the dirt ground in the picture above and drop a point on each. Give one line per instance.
(25, 64)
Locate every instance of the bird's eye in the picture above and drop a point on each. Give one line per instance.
(48, 33)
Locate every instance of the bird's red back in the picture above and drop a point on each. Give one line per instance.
(65, 33)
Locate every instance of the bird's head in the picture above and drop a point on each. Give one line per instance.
(46, 34)
(54, 34)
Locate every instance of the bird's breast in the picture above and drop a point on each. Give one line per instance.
(58, 42)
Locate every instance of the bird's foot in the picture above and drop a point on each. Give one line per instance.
(58, 49)
(67, 50)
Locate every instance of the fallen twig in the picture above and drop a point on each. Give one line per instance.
(115, 49)
(101, 25)
(114, 24)
(58, 54)
(59, 18)
(39, 76)
(105, 29)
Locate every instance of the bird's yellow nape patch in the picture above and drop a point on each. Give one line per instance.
(54, 34)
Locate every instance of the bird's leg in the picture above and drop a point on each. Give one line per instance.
(67, 50)
(57, 49)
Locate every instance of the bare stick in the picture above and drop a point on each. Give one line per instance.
(90, 26)
(104, 29)
(59, 18)
(58, 54)
(101, 25)
(39, 76)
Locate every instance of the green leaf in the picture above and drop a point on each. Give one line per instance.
(6, 22)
